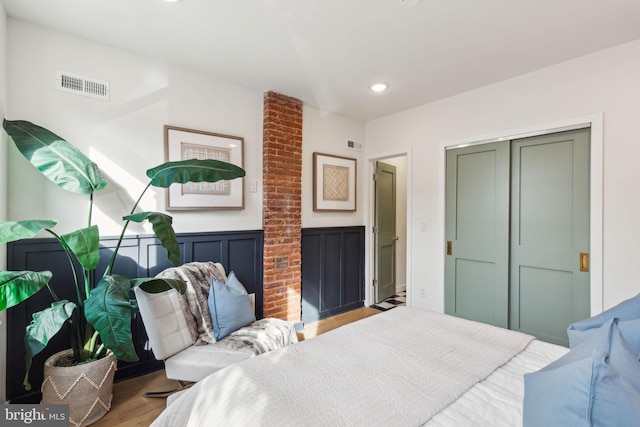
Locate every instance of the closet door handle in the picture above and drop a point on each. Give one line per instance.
(584, 261)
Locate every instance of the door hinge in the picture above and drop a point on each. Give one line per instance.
(375, 176)
(374, 230)
(375, 283)
(449, 247)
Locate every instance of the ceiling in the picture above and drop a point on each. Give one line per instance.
(328, 52)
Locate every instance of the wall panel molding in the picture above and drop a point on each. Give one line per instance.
(332, 271)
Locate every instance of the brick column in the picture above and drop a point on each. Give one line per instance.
(282, 223)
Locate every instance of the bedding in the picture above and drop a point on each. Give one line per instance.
(597, 383)
(497, 401)
(401, 367)
(628, 314)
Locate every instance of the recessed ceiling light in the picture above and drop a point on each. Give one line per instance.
(172, 1)
(378, 87)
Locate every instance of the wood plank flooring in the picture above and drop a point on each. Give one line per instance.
(130, 408)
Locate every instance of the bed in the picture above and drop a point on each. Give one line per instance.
(403, 367)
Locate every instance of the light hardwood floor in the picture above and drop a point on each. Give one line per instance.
(130, 408)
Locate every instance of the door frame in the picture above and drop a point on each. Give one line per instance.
(593, 121)
(369, 240)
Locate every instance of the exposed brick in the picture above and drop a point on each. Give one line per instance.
(282, 205)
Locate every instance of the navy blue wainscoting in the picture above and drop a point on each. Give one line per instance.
(139, 256)
(332, 271)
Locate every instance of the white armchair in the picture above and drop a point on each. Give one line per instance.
(182, 332)
(171, 341)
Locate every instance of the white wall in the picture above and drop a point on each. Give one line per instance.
(328, 133)
(125, 135)
(605, 82)
(3, 189)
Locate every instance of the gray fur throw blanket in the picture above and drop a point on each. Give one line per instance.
(194, 300)
(261, 336)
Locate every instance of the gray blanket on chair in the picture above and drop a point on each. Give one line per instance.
(194, 301)
(259, 337)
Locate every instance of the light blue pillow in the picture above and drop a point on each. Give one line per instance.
(229, 306)
(596, 384)
(628, 314)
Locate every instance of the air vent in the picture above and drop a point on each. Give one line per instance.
(81, 85)
(352, 145)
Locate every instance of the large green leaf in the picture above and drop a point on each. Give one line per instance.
(109, 311)
(193, 171)
(58, 160)
(10, 231)
(164, 231)
(43, 327)
(17, 286)
(85, 244)
(155, 285)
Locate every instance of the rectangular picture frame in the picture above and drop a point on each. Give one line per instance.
(185, 144)
(334, 183)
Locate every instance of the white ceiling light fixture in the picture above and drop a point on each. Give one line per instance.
(378, 87)
(172, 1)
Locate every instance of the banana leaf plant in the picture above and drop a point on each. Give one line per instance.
(100, 317)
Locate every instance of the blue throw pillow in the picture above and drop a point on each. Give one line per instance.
(596, 384)
(628, 314)
(229, 306)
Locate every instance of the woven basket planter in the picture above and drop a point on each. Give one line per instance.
(85, 388)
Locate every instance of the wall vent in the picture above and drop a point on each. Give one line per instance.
(352, 145)
(81, 85)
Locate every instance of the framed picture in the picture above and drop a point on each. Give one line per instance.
(334, 183)
(186, 144)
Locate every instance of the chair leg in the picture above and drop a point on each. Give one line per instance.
(182, 385)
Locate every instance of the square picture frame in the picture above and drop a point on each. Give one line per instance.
(334, 183)
(185, 144)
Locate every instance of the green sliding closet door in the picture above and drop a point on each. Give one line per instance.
(517, 233)
(477, 233)
(550, 234)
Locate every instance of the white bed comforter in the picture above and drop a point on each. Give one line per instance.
(399, 368)
(497, 400)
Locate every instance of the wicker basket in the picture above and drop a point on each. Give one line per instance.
(85, 388)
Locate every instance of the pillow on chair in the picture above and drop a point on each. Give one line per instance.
(229, 306)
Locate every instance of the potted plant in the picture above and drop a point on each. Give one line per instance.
(99, 320)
